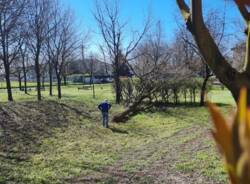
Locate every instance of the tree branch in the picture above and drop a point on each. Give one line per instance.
(207, 46)
(243, 10)
(185, 11)
(247, 56)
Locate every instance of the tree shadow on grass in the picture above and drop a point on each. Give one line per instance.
(116, 130)
(182, 104)
(180, 110)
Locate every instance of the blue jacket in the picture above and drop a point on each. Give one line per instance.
(104, 107)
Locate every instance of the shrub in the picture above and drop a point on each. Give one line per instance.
(166, 91)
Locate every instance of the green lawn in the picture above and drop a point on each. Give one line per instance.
(221, 97)
(69, 92)
(63, 142)
(16, 84)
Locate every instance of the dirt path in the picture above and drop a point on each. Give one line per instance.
(160, 156)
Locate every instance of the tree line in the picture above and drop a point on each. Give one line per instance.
(43, 34)
(37, 33)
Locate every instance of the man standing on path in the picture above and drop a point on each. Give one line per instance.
(104, 107)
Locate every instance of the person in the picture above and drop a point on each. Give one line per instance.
(104, 108)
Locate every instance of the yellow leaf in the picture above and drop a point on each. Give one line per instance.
(222, 132)
(248, 123)
(242, 106)
(243, 168)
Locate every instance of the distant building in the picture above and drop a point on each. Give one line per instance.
(31, 73)
(77, 71)
(80, 71)
(84, 67)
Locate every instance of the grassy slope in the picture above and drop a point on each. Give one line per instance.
(171, 146)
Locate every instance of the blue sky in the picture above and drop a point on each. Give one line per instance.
(135, 12)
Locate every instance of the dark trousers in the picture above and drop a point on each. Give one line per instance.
(105, 119)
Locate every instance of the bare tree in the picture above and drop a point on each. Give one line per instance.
(215, 22)
(38, 16)
(209, 49)
(24, 56)
(104, 58)
(112, 29)
(164, 73)
(84, 45)
(11, 13)
(61, 43)
(92, 74)
(49, 58)
(149, 66)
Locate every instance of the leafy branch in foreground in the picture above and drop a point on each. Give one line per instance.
(233, 139)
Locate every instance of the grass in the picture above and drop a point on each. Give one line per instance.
(15, 84)
(69, 92)
(221, 97)
(68, 144)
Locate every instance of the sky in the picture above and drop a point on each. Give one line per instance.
(135, 11)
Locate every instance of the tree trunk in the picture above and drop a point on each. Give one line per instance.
(227, 75)
(59, 84)
(65, 80)
(93, 88)
(167, 94)
(194, 95)
(43, 80)
(118, 91)
(92, 77)
(191, 95)
(132, 109)
(7, 71)
(24, 76)
(8, 83)
(203, 91)
(124, 116)
(19, 81)
(185, 96)
(175, 96)
(50, 79)
(38, 75)
(204, 85)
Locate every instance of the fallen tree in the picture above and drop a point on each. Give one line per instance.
(140, 95)
(161, 76)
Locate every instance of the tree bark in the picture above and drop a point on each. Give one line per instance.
(50, 79)
(19, 81)
(118, 91)
(203, 91)
(43, 81)
(204, 85)
(7, 79)
(7, 69)
(194, 95)
(65, 80)
(185, 96)
(24, 76)
(93, 88)
(132, 109)
(38, 75)
(59, 84)
(191, 96)
(226, 74)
